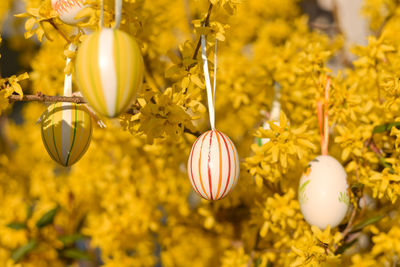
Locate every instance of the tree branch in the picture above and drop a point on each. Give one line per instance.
(51, 21)
(47, 98)
(205, 23)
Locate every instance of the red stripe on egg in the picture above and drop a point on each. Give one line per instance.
(201, 180)
(234, 155)
(220, 164)
(208, 165)
(191, 165)
(229, 162)
(62, 6)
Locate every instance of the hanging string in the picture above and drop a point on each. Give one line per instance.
(323, 118)
(102, 14)
(68, 77)
(210, 91)
(118, 14)
(215, 70)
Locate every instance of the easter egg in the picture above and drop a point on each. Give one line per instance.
(323, 193)
(66, 132)
(68, 9)
(109, 71)
(213, 165)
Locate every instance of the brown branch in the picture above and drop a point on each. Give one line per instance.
(255, 248)
(350, 224)
(186, 6)
(323, 26)
(205, 23)
(195, 133)
(47, 98)
(148, 75)
(51, 21)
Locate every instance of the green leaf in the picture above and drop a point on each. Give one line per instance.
(73, 253)
(70, 239)
(29, 211)
(16, 225)
(359, 226)
(386, 165)
(47, 218)
(344, 247)
(385, 127)
(21, 252)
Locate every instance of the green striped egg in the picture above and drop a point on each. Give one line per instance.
(109, 71)
(66, 132)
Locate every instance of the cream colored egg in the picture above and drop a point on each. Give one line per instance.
(323, 193)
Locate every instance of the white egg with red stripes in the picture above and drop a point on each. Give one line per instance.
(213, 165)
(323, 193)
(66, 132)
(68, 10)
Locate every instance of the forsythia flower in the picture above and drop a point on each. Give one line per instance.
(128, 201)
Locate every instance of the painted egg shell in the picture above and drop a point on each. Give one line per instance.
(323, 192)
(213, 165)
(66, 132)
(68, 9)
(109, 71)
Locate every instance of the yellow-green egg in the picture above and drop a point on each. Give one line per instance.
(66, 132)
(109, 71)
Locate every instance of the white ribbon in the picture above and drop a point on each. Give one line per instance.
(210, 91)
(118, 13)
(68, 77)
(276, 105)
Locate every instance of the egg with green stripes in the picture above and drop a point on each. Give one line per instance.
(109, 71)
(66, 132)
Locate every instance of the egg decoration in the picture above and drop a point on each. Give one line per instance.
(109, 71)
(68, 9)
(213, 165)
(323, 193)
(66, 132)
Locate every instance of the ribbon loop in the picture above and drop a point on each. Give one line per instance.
(210, 91)
(118, 14)
(323, 118)
(68, 77)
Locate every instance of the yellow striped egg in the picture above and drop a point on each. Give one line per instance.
(109, 71)
(213, 165)
(66, 132)
(68, 9)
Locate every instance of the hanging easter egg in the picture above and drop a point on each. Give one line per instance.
(109, 71)
(66, 132)
(68, 9)
(323, 193)
(213, 165)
